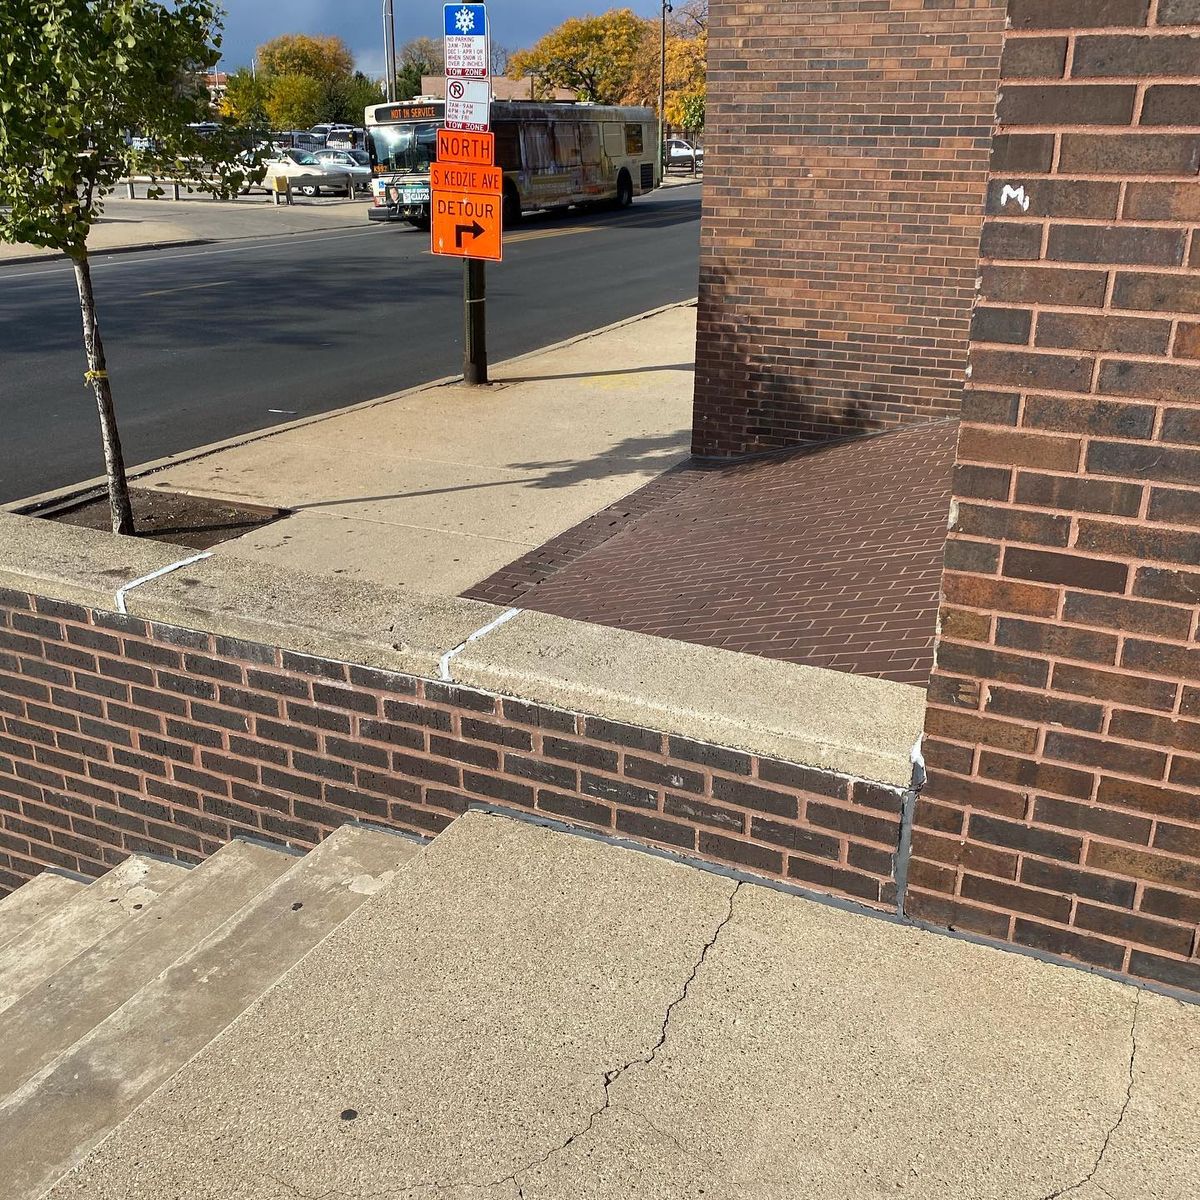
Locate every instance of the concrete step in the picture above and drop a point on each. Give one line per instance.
(50, 1122)
(464, 1019)
(57, 1012)
(123, 894)
(33, 900)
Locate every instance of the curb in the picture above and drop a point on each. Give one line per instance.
(48, 502)
(104, 253)
(175, 245)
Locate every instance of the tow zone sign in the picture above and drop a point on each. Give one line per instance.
(467, 210)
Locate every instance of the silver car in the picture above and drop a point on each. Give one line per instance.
(357, 163)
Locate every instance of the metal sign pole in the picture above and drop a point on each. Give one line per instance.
(389, 51)
(475, 362)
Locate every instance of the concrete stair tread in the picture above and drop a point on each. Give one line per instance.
(51, 1121)
(505, 944)
(123, 894)
(62, 1008)
(34, 900)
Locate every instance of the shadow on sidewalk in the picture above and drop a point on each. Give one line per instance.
(643, 456)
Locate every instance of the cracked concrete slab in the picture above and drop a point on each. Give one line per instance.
(533, 1015)
(1155, 1147)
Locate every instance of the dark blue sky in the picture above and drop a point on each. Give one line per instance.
(515, 23)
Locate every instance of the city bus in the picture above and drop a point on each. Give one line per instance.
(552, 156)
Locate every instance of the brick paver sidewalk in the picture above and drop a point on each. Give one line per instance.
(828, 556)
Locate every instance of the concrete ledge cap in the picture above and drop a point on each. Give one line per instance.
(84, 566)
(351, 620)
(850, 724)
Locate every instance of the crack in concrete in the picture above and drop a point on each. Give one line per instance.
(1074, 1187)
(610, 1078)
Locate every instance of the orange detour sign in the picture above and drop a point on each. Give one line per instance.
(467, 225)
(474, 149)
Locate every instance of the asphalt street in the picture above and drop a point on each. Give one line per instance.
(209, 342)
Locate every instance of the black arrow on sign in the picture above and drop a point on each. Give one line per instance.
(461, 231)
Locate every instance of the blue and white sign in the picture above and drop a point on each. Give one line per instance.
(468, 48)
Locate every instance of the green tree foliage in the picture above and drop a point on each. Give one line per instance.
(76, 78)
(690, 113)
(353, 96)
(301, 80)
(245, 99)
(596, 56)
(296, 101)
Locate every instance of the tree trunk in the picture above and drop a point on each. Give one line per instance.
(97, 376)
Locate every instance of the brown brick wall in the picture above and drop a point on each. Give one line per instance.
(846, 148)
(117, 736)
(1063, 806)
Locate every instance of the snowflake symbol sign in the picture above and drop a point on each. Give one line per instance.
(464, 20)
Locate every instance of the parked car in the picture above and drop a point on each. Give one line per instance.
(346, 137)
(308, 174)
(357, 162)
(300, 139)
(684, 156)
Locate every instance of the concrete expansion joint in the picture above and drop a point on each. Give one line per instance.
(1089, 1178)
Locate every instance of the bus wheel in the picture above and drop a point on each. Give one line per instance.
(624, 190)
(422, 222)
(510, 214)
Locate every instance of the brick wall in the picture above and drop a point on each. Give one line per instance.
(846, 149)
(1063, 807)
(118, 736)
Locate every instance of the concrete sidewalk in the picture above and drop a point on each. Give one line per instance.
(526, 1014)
(436, 489)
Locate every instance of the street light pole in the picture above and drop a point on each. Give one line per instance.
(389, 51)
(662, 90)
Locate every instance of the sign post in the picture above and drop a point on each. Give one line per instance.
(466, 185)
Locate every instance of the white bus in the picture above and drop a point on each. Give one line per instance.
(552, 156)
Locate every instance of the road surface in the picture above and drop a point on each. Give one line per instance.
(209, 342)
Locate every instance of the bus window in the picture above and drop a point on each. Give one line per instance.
(566, 143)
(589, 144)
(539, 153)
(633, 139)
(508, 146)
(614, 144)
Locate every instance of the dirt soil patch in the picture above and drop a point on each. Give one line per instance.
(193, 521)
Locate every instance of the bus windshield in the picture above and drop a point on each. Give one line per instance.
(405, 148)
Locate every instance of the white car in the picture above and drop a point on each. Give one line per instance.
(308, 174)
(356, 162)
(684, 155)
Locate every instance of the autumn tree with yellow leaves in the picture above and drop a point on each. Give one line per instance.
(615, 59)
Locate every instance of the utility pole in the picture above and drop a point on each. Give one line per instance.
(389, 51)
(662, 90)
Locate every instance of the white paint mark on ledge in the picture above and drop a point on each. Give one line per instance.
(186, 562)
(444, 661)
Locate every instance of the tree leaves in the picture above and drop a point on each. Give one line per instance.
(79, 79)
